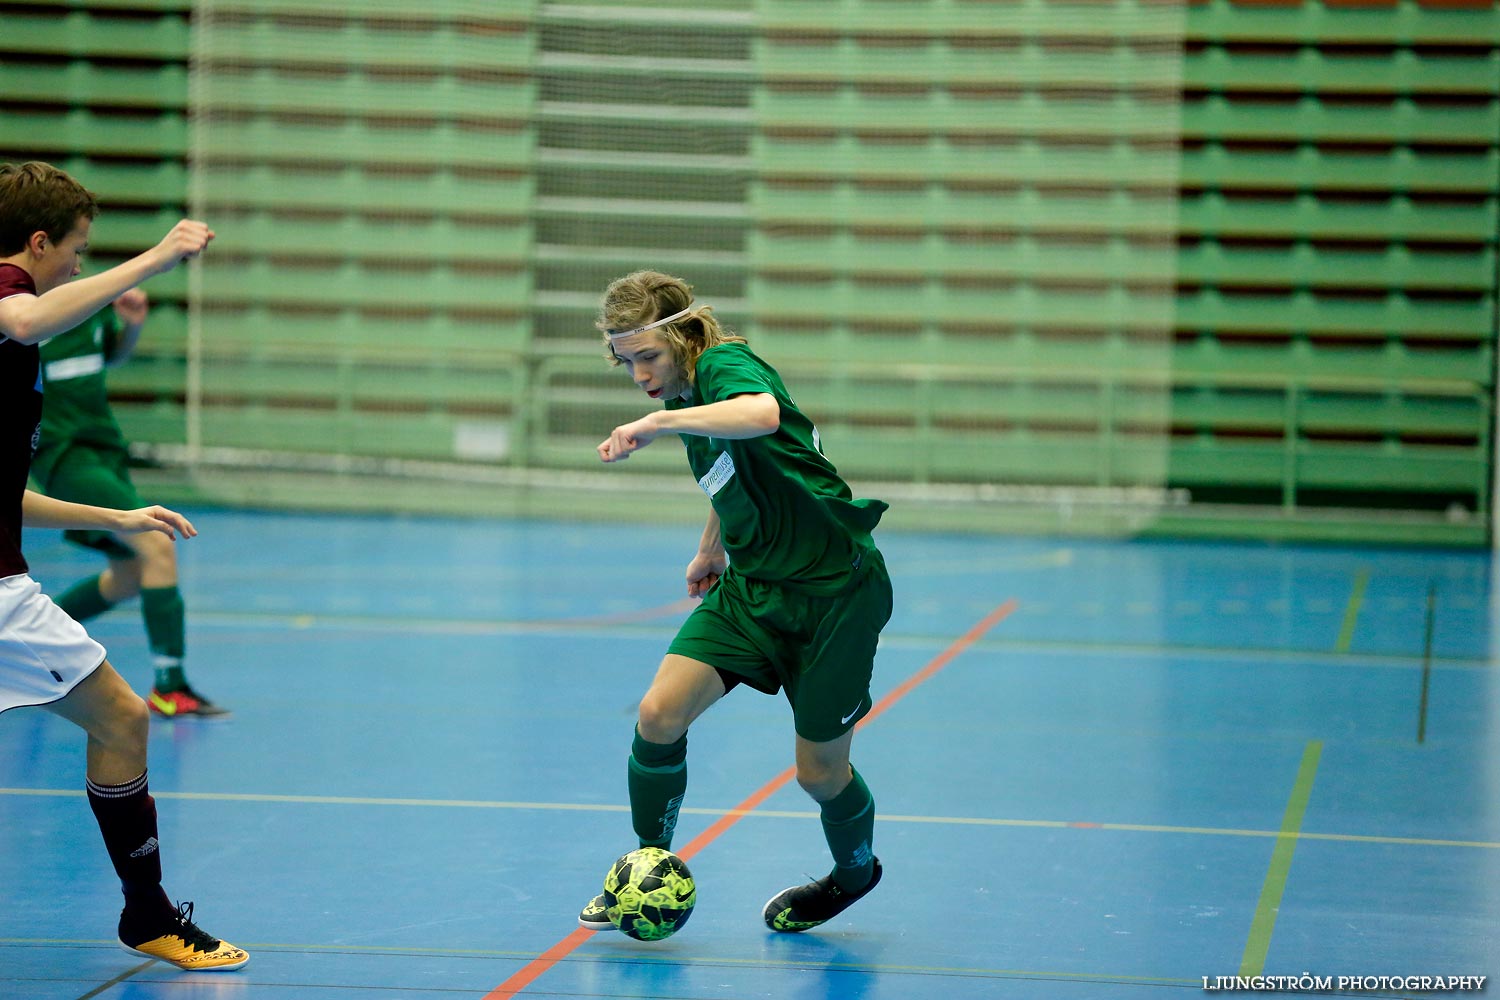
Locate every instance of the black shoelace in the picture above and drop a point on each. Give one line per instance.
(191, 932)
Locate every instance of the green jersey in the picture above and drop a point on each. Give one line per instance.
(75, 400)
(785, 515)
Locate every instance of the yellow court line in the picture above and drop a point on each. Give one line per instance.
(1351, 611)
(1050, 824)
(1269, 905)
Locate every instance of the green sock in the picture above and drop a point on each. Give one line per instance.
(83, 600)
(166, 634)
(657, 781)
(849, 826)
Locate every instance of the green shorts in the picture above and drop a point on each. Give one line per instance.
(99, 477)
(819, 649)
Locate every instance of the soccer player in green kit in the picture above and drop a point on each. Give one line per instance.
(82, 457)
(794, 591)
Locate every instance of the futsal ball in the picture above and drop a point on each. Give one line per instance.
(649, 894)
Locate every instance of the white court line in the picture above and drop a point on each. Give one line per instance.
(1051, 824)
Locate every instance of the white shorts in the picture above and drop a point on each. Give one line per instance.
(44, 654)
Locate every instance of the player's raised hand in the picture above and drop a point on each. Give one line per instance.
(616, 447)
(187, 240)
(627, 438)
(131, 307)
(168, 522)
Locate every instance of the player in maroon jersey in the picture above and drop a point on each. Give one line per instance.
(46, 658)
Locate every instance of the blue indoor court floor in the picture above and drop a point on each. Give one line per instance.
(1103, 769)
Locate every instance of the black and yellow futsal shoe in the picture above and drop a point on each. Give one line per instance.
(593, 916)
(180, 942)
(803, 907)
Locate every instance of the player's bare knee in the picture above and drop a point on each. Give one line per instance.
(155, 551)
(129, 722)
(821, 781)
(120, 723)
(660, 721)
(121, 580)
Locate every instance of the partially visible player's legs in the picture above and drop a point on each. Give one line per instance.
(847, 807)
(85, 599)
(144, 564)
(683, 689)
(832, 695)
(848, 815)
(116, 721)
(152, 573)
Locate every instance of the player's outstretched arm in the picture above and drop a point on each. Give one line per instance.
(749, 415)
(30, 319)
(39, 511)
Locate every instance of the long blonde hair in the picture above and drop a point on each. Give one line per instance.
(646, 296)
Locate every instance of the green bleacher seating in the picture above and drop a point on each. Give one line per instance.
(990, 243)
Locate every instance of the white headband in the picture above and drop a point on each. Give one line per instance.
(612, 334)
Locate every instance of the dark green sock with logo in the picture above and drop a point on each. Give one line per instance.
(849, 826)
(166, 634)
(657, 781)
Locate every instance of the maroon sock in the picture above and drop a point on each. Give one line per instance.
(127, 819)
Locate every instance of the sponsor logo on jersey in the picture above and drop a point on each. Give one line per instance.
(723, 470)
(65, 368)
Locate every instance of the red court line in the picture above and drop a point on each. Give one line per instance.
(562, 949)
(960, 644)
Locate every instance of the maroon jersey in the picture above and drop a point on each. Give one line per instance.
(20, 423)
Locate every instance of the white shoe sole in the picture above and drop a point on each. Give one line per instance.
(595, 925)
